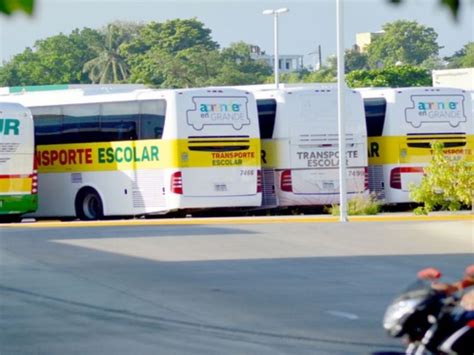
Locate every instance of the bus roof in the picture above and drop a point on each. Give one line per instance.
(102, 94)
(11, 107)
(380, 92)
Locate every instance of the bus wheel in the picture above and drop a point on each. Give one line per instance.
(89, 205)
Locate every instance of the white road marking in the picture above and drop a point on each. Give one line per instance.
(346, 315)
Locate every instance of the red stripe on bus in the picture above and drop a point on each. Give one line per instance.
(16, 176)
(411, 170)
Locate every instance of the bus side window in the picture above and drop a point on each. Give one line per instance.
(266, 117)
(119, 121)
(375, 110)
(48, 123)
(81, 123)
(152, 119)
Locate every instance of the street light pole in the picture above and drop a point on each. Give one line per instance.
(341, 111)
(276, 63)
(275, 14)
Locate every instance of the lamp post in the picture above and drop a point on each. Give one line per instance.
(341, 112)
(275, 14)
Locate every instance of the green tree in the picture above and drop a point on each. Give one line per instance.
(158, 51)
(292, 78)
(433, 63)
(10, 6)
(464, 58)
(239, 68)
(324, 75)
(24, 69)
(55, 60)
(406, 42)
(176, 35)
(109, 65)
(353, 60)
(447, 183)
(171, 36)
(392, 76)
(192, 67)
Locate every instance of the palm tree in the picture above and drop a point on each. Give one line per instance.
(109, 66)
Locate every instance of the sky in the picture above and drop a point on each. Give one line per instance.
(309, 23)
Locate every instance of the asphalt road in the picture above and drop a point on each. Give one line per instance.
(214, 288)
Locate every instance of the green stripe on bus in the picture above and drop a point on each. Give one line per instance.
(17, 89)
(17, 204)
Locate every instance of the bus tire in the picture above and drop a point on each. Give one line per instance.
(89, 205)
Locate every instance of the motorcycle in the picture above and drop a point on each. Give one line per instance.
(430, 316)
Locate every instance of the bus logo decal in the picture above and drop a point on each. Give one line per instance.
(212, 111)
(9, 126)
(436, 109)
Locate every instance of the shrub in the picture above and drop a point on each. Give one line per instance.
(448, 183)
(360, 205)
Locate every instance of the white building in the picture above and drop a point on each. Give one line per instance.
(287, 63)
(457, 78)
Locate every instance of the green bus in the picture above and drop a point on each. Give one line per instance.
(18, 175)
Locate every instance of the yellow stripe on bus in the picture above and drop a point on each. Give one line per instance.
(147, 154)
(15, 185)
(395, 149)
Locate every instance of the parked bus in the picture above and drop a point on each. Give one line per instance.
(144, 151)
(401, 126)
(18, 178)
(300, 149)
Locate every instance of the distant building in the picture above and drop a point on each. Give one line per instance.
(287, 63)
(363, 40)
(458, 78)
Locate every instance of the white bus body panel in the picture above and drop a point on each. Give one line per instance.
(16, 145)
(405, 123)
(305, 139)
(212, 186)
(137, 192)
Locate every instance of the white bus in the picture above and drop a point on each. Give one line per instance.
(18, 178)
(144, 151)
(402, 123)
(300, 149)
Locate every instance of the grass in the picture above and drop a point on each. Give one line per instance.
(359, 205)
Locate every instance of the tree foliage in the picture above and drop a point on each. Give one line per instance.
(448, 183)
(159, 55)
(391, 76)
(464, 58)
(108, 64)
(55, 60)
(176, 53)
(10, 6)
(239, 68)
(405, 42)
(353, 60)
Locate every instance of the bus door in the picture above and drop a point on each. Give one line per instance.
(267, 109)
(379, 149)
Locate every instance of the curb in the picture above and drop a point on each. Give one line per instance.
(239, 220)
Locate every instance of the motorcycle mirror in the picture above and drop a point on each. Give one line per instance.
(429, 273)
